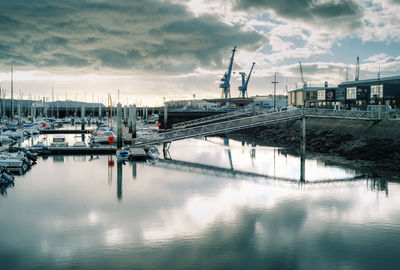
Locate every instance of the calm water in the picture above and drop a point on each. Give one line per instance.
(91, 213)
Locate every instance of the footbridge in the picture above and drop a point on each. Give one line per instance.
(265, 118)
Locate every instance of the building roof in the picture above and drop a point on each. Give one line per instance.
(395, 79)
(308, 89)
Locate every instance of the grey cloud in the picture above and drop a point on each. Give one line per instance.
(140, 36)
(344, 13)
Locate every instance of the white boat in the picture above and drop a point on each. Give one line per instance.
(59, 141)
(103, 136)
(13, 164)
(6, 139)
(79, 144)
(18, 134)
(153, 153)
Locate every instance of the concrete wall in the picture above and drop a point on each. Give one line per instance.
(389, 129)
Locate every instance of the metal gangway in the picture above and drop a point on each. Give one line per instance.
(265, 118)
(216, 118)
(219, 127)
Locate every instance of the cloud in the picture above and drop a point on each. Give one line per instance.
(139, 36)
(335, 14)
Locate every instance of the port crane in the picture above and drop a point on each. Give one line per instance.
(245, 82)
(302, 77)
(226, 87)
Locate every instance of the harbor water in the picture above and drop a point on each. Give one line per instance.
(206, 204)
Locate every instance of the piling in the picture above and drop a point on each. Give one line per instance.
(130, 119)
(100, 115)
(165, 115)
(134, 121)
(125, 115)
(19, 114)
(119, 125)
(83, 117)
(146, 113)
(34, 112)
(303, 149)
(4, 110)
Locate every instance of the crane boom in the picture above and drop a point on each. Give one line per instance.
(302, 77)
(226, 91)
(245, 82)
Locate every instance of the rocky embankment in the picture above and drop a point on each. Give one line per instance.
(372, 145)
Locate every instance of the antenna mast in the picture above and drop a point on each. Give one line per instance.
(12, 94)
(276, 82)
(357, 69)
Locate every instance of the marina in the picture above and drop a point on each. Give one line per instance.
(168, 134)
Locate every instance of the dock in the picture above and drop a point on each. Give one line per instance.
(75, 151)
(65, 131)
(138, 153)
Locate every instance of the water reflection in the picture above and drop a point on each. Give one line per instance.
(179, 211)
(4, 187)
(119, 180)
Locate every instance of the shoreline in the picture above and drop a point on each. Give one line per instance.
(370, 147)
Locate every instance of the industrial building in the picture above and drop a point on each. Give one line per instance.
(349, 94)
(306, 97)
(267, 102)
(372, 91)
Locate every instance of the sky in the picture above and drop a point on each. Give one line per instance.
(176, 49)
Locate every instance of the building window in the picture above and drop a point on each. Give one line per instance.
(321, 94)
(351, 93)
(377, 91)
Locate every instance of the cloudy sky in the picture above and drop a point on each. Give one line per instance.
(176, 48)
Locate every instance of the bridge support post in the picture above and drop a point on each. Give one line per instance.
(303, 149)
(119, 126)
(166, 146)
(165, 116)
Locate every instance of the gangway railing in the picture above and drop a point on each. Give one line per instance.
(215, 118)
(340, 114)
(220, 127)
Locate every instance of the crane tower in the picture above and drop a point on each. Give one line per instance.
(245, 82)
(226, 87)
